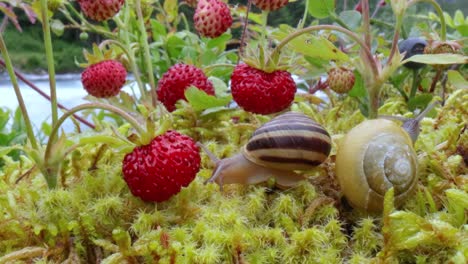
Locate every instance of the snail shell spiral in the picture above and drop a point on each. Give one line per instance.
(372, 158)
(291, 141)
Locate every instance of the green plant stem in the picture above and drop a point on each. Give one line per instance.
(368, 56)
(147, 55)
(54, 133)
(131, 55)
(414, 85)
(338, 20)
(304, 15)
(366, 23)
(50, 60)
(88, 25)
(14, 82)
(443, 26)
(396, 36)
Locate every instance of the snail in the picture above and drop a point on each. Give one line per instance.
(376, 155)
(291, 141)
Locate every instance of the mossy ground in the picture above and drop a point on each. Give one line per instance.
(93, 217)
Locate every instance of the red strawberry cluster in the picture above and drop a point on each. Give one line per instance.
(177, 79)
(104, 79)
(100, 10)
(270, 5)
(212, 18)
(261, 92)
(157, 171)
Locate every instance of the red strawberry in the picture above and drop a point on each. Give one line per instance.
(270, 5)
(340, 80)
(212, 18)
(157, 171)
(100, 10)
(261, 92)
(177, 79)
(104, 79)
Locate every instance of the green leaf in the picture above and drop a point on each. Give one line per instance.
(157, 28)
(457, 80)
(458, 18)
(352, 18)
(312, 46)
(358, 89)
(219, 42)
(221, 89)
(174, 46)
(419, 101)
(438, 59)
(200, 100)
(321, 8)
(171, 9)
(463, 29)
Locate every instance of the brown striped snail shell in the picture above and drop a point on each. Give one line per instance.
(288, 142)
(375, 156)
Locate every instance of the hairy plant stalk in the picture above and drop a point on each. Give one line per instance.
(147, 53)
(366, 23)
(440, 13)
(14, 82)
(244, 30)
(50, 60)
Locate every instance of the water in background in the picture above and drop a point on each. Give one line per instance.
(70, 93)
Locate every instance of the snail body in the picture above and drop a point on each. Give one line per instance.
(288, 142)
(375, 156)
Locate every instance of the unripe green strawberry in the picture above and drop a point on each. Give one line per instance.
(340, 80)
(100, 10)
(212, 18)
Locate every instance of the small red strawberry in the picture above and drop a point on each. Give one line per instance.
(340, 80)
(100, 10)
(177, 79)
(104, 79)
(212, 18)
(157, 171)
(261, 92)
(270, 5)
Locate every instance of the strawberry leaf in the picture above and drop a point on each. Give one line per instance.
(321, 8)
(457, 80)
(312, 46)
(200, 100)
(438, 59)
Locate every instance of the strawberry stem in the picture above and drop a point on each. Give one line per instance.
(440, 13)
(147, 55)
(131, 55)
(14, 82)
(366, 23)
(50, 60)
(244, 30)
(52, 179)
(367, 53)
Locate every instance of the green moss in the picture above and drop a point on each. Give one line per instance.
(94, 212)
